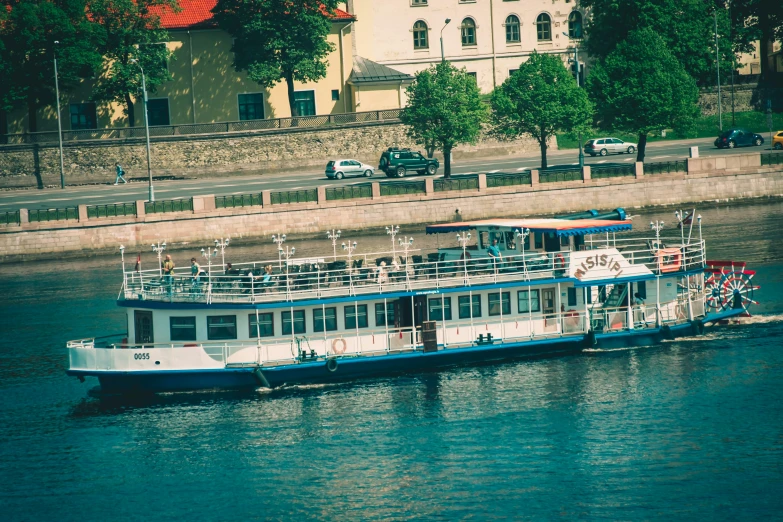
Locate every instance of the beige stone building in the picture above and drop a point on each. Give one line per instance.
(490, 38)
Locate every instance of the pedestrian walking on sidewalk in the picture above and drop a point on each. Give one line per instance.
(120, 173)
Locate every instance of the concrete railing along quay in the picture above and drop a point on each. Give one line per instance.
(543, 193)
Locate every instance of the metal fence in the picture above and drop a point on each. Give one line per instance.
(457, 183)
(363, 190)
(612, 172)
(554, 176)
(397, 188)
(774, 158)
(294, 196)
(113, 210)
(10, 218)
(665, 167)
(242, 200)
(206, 128)
(503, 179)
(168, 205)
(53, 214)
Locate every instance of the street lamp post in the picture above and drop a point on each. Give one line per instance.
(522, 236)
(158, 248)
(393, 231)
(279, 239)
(406, 243)
(349, 248)
(463, 239)
(717, 68)
(59, 120)
(443, 56)
(656, 226)
(146, 128)
(334, 235)
(222, 244)
(578, 84)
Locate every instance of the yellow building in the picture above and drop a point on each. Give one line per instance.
(205, 87)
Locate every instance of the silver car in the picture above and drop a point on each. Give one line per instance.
(604, 146)
(344, 168)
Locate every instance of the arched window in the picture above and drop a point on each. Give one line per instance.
(512, 29)
(420, 35)
(544, 27)
(575, 24)
(468, 30)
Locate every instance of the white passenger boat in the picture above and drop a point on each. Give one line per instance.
(554, 286)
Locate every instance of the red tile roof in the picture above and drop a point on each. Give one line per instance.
(198, 13)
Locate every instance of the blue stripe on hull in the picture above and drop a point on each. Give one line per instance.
(129, 382)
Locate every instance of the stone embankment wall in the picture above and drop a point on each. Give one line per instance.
(707, 179)
(194, 156)
(746, 99)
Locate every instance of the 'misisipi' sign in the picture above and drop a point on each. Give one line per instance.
(607, 263)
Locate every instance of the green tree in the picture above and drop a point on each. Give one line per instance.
(28, 33)
(133, 32)
(641, 88)
(539, 99)
(444, 109)
(753, 20)
(278, 40)
(687, 27)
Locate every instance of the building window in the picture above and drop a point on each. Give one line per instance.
(440, 309)
(324, 319)
(221, 327)
(418, 2)
(304, 103)
(251, 106)
(544, 28)
(511, 72)
(420, 35)
(384, 315)
(465, 311)
(474, 76)
(299, 322)
(575, 25)
(356, 316)
(533, 299)
(182, 328)
(83, 116)
(499, 304)
(512, 29)
(468, 30)
(335, 94)
(264, 326)
(158, 111)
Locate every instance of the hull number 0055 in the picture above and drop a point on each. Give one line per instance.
(141, 356)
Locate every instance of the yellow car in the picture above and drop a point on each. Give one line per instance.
(777, 141)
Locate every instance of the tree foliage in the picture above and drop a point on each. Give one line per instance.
(133, 31)
(641, 88)
(28, 32)
(753, 20)
(687, 27)
(539, 99)
(444, 109)
(278, 40)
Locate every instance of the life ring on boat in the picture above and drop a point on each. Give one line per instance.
(331, 365)
(338, 346)
(465, 255)
(559, 261)
(669, 259)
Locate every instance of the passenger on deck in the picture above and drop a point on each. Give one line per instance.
(383, 277)
(195, 272)
(493, 250)
(266, 280)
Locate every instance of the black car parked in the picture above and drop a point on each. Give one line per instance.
(738, 138)
(399, 162)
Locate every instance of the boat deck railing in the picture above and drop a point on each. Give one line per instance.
(302, 279)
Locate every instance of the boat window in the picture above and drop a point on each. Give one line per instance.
(483, 240)
(511, 240)
(182, 328)
(265, 327)
(438, 307)
(528, 296)
(221, 327)
(299, 322)
(539, 240)
(499, 304)
(572, 297)
(325, 319)
(499, 236)
(465, 306)
(564, 242)
(356, 316)
(641, 288)
(142, 325)
(381, 318)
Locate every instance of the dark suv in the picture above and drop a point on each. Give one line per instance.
(399, 162)
(738, 138)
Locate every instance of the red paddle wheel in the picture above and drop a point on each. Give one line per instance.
(727, 285)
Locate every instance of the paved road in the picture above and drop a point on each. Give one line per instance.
(309, 178)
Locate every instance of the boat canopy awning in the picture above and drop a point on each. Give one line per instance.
(559, 227)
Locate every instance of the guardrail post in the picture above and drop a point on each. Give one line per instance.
(376, 190)
(320, 195)
(429, 186)
(586, 174)
(639, 169)
(694, 164)
(204, 203)
(482, 182)
(266, 198)
(24, 216)
(82, 213)
(141, 212)
(534, 177)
